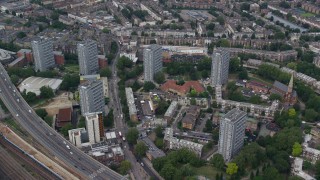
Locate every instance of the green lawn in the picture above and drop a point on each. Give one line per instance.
(307, 15)
(259, 79)
(72, 68)
(207, 171)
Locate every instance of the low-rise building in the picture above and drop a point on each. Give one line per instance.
(171, 111)
(189, 119)
(77, 136)
(182, 90)
(175, 143)
(33, 84)
(63, 117)
(131, 104)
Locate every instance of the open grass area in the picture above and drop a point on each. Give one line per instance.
(14, 125)
(307, 14)
(207, 171)
(72, 68)
(259, 79)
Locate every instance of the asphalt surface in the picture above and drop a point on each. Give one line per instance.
(119, 123)
(85, 166)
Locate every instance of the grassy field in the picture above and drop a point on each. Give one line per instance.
(207, 171)
(259, 79)
(307, 14)
(72, 68)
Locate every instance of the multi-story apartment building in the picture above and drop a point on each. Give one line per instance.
(152, 61)
(220, 67)
(94, 126)
(232, 132)
(88, 57)
(43, 54)
(91, 97)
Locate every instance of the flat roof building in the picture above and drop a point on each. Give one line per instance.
(33, 84)
(88, 57)
(232, 132)
(91, 97)
(220, 67)
(152, 61)
(75, 136)
(131, 104)
(42, 49)
(94, 125)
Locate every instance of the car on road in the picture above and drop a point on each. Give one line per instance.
(17, 115)
(29, 111)
(71, 152)
(68, 147)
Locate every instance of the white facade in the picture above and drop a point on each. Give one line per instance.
(152, 61)
(92, 125)
(88, 57)
(43, 54)
(220, 67)
(232, 132)
(75, 136)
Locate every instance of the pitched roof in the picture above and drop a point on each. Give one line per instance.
(64, 115)
(185, 88)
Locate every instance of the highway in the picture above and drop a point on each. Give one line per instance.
(78, 162)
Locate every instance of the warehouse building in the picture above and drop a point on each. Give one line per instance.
(33, 84)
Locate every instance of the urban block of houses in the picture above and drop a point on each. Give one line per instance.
(182, 90)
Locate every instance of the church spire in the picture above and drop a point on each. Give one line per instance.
(290, 87)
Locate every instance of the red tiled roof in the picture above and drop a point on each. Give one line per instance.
(184, 89)
(64, 115)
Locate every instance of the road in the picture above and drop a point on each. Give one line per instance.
(119, 123)
(75, 160)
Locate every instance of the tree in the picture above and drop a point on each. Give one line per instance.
(106, 30)
(243, 74)
(275, 97)
(187, 170)
(46, 92)
(41, 113)
(234, 65)
(14, 79)
(105, 72)
(232, 168)
(21, 35)
(81, 122)
(271, 173)
(159, 132)
(124, 167)
(132, 135)
(162, 107)
(147, 86)
(64, 130)
(109, 119)
(140, 148)
(296, 149)
(159, 143)
(292, 112)
(70, 81)
(217, 161)
(159, 77)
(168, 171)
(310, 115)
(221, 20)
(208, 126)
(48, 120)
(255, 99)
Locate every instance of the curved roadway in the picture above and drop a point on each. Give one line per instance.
(77, 160)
